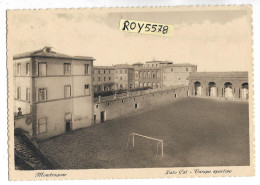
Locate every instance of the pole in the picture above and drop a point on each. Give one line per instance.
(162, 148)
(133, 140)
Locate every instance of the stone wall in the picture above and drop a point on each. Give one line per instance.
(116, 107)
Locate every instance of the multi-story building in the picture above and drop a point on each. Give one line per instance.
(124, 76)
(148, 77)
(104, 78)
(55, 90)
(177, 74)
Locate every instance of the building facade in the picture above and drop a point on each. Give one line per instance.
(157, 74)
(56, 90)
(228, 85)
(124, 76)
(104, 78)
(177, 74)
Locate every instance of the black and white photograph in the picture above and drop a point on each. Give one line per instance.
(147, 92)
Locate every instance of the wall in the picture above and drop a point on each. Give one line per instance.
(175, 75)
(24, 122)
(55, 108)
(219, 78)
(124, 106)
(23, 81)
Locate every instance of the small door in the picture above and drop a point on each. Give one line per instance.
(68, 125)
(95, 118)
(102, 116)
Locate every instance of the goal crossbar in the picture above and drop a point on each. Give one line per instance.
(147, 137)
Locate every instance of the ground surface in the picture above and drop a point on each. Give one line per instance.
(196, 132)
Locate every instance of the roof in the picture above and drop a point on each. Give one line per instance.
(161, 62)
(104, 67)
(181, 65)
(219, 74)
(27, 154)
(48, 53)
(138, 63)
(123, 66)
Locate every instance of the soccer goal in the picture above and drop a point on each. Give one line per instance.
(159, 141)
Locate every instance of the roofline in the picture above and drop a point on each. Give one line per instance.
(70, 58)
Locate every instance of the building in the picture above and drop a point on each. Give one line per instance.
(228, 85)
(104, 78)
(149, 74)
(54, 90)
(148, 77)
(157, 64)
(124, 76)
(157, 74)
(177, 74)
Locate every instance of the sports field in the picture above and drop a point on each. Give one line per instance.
(196, 132)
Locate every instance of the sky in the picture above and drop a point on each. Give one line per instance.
(214, 39)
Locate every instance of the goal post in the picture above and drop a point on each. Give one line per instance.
(160, 142)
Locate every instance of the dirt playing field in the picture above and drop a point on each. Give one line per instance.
(195, 132)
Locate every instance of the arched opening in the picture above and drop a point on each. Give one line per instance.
(228, 92)
(197, 89)
(244, 91)
(212, 89)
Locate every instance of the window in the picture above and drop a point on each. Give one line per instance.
(42, 69)
(67, 91)
(18, 69)
(171, 69)
(121, 78)
(187, 69)
(108, 71)
(42, 125)
(136, 105)
(86, 69)
(28, 94)
(98, 71)
(86, 89)
(66, 68)
(104, 71)
(93, 79)
(27, 69)
(109, 78)
(104, 78)
(42, 95)
(99, 79)
(18, 93)
(179, 78)
(126, 71)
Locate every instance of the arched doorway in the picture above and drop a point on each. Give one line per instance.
(197, 89)
(228, 92)
(244, 91)
(212, 89)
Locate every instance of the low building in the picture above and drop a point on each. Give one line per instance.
(177, 74)
(229, 85)
(55, 90)
(104, 78)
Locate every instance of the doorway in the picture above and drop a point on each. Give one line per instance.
(102, 116)
(68, 126)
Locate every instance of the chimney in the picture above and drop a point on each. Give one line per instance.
(47, 49)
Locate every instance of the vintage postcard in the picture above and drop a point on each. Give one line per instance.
(156, 92)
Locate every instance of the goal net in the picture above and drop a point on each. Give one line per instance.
(159, 142)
